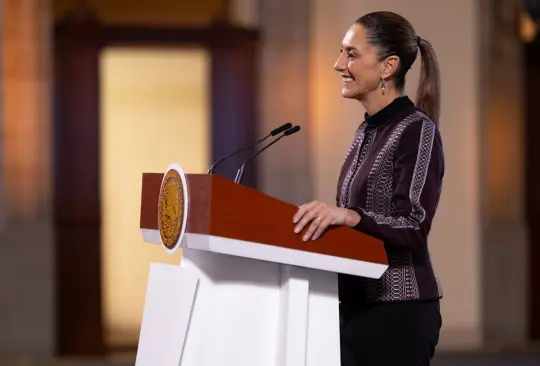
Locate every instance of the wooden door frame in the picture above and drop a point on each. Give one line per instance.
(77, 218)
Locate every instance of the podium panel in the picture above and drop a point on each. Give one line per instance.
(218, 309)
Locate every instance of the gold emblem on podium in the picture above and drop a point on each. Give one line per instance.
(171, 209)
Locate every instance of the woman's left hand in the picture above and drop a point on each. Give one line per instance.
(321, 216)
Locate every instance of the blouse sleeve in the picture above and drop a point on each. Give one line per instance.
(418, 174)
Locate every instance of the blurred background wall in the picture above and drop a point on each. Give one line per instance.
(96, 92)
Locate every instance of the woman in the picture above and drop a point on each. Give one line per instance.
(389, 188)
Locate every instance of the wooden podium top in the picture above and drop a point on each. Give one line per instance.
(222, 208)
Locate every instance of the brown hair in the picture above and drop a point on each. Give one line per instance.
(395, 36)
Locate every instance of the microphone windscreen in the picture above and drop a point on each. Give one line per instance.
(280, 129)
(290, 131)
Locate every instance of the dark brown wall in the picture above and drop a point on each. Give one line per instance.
(532, 81)
(147, 12)
(77, 192)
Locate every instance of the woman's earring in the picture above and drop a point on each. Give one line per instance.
(383, 85)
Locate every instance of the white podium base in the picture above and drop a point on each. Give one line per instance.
(221, 310)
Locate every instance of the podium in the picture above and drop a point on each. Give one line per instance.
(248, 291)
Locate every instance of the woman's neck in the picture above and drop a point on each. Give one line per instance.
(377, 101)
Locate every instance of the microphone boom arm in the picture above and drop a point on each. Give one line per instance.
(287, 126)
(240, 172)
(211, 170)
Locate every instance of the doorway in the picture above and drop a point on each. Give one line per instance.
(155, 110)
(86, 309)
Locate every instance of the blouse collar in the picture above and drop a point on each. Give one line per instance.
(390, 112)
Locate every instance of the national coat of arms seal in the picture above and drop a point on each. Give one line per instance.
(172, 208)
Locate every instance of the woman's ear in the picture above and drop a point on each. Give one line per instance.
(389, 66)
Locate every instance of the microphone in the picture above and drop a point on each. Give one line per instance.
(274, 132)
(240, 172)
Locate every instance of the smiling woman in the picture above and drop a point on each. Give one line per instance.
(389, 188)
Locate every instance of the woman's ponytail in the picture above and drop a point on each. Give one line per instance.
(428, 96)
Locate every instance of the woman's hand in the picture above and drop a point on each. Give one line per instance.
(321, 216)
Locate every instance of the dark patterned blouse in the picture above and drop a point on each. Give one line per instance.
(392, 176)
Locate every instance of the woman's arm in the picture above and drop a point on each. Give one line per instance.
(418, 173)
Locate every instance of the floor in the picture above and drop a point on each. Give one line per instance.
(442, 359)
(494, 359)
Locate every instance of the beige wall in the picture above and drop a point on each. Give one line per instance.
(284, 81)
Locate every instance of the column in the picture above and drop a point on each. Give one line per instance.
(504, 259)
(26, 244)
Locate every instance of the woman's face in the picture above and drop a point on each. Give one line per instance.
(358, 64)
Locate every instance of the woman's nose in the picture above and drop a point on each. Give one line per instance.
(339, 65)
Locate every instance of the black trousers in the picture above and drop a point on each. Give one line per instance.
(390, 334)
